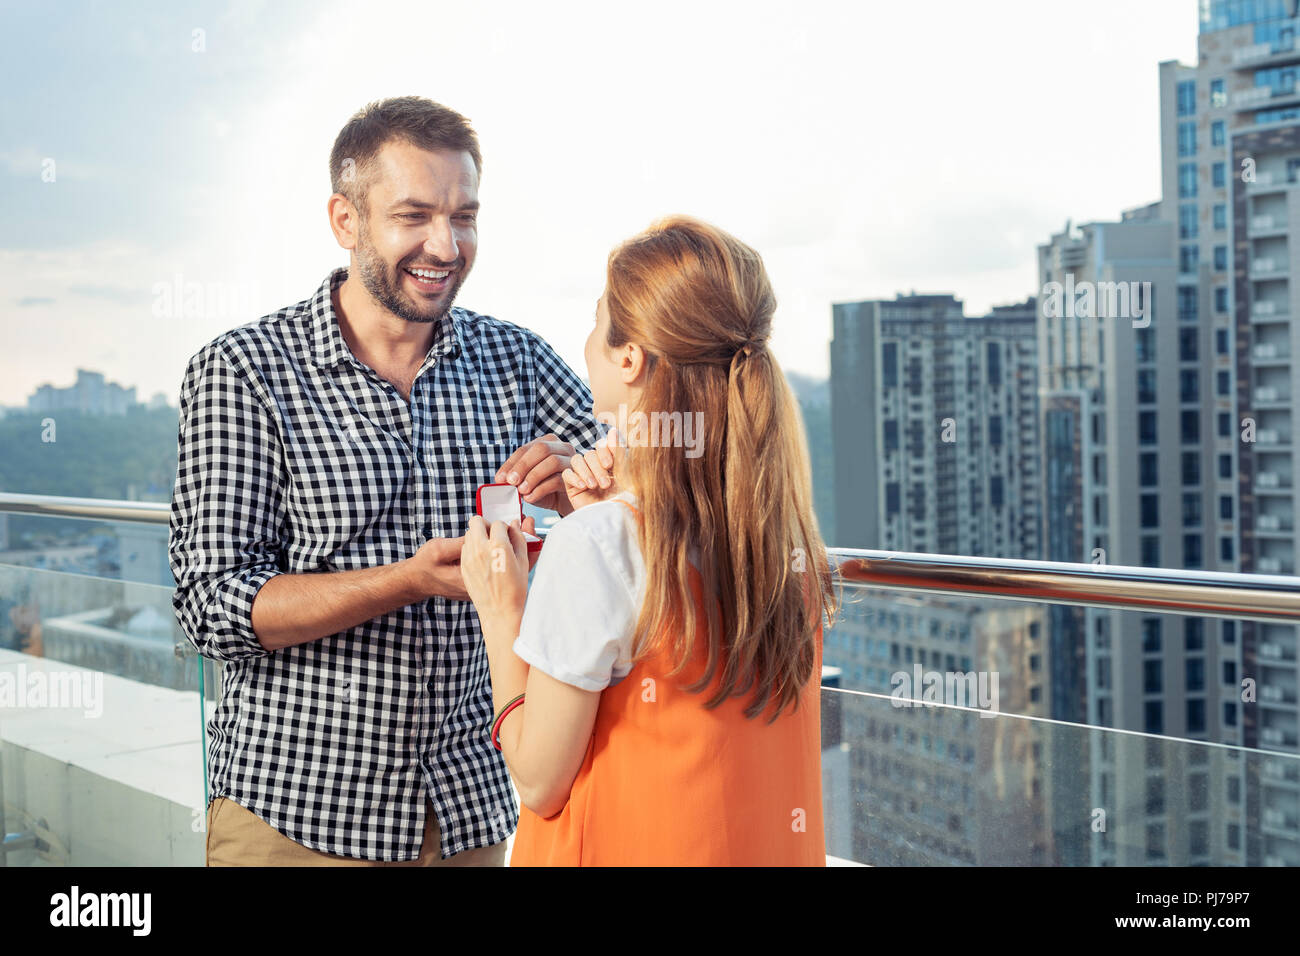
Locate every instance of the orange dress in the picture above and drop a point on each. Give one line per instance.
(667, 782)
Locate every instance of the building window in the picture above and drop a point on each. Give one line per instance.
(1155, 795)
(1189, 385)
(1218, 95)
(1151, 635)
(995, 491)
(1191, 468)
(1147, 428)
(1223, 382)
(1225, 466)
(1187, 226)
(1225, 425)
(1220, 213)
(1190, 427)
(1187, 138)
(892, 498)
(1149, 468)
(1150, 511)
(1192, 551)
(1221, 298)
(1221, 259)
(1193, 634)
(1188, 342)
(1188, 305)
(1186, 93)
(1219, 175)
(1146, 345)
(1152, 675)
(1225, 510)
(1188, 258)
(1229, 632)
(1221, 341)
(1191, 509)
(1218, 134)
(1230, 720)
(891, 436)
(1186, 180)
(1146, 386)
(1225, 549)
(1196, 716)
(1153, 714)
(1151, 552)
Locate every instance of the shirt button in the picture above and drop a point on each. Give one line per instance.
(429, 687)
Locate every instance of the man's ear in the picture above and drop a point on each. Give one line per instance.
(345, 222)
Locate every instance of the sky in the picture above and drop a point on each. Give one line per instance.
(865, 149)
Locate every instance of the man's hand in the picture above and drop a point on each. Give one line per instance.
(536, 469)
(592, 477)
(436, 567)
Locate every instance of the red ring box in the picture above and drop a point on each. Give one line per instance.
(502, 505)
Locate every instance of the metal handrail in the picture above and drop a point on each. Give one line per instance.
(1260, 597)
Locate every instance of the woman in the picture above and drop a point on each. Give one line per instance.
(642, 723)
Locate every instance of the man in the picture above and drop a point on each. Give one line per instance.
(328, 459)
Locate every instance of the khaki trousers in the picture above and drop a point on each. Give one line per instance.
(239, 837)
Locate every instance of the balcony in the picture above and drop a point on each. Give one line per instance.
(119, 778)
(1272, 396)
(1265, 268)
(1267, 225)
(1271, 352)
(1274, 523)
(1268, 311)
(1254, 98)
(1267, 481)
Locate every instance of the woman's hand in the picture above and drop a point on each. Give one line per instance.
(494, 563)
(592, 476)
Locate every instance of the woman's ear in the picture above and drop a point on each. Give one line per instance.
(632, 363)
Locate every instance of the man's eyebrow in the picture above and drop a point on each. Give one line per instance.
(472, 205)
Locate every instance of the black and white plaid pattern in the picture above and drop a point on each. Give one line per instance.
(293, 456)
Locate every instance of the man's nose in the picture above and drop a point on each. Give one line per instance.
(440, 243)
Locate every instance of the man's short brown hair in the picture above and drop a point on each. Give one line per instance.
(414, 119)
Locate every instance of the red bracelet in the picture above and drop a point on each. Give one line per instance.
(505, 712)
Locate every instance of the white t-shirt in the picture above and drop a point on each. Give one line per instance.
(587, 589)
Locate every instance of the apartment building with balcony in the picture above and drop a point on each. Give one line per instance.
(1230, 144)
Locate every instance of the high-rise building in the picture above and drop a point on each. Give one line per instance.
(1230, 143)
(935, 423)
(1170, 442)
(935, 435)
(1126, 483)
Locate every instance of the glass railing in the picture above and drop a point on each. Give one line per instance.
(1073, 719)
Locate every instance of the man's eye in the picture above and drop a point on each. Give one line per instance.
(468, 218)
(411, 215)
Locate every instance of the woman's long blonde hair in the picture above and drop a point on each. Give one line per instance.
(698, 302)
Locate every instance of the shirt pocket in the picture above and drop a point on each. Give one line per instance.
(476, 463)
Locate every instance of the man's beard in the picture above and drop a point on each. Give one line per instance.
(385, 286)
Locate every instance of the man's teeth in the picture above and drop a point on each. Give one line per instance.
(429, 273)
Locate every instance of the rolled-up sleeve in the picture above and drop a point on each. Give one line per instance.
(563, 404)
(227, 507)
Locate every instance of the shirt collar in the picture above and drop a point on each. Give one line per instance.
(328, 347)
